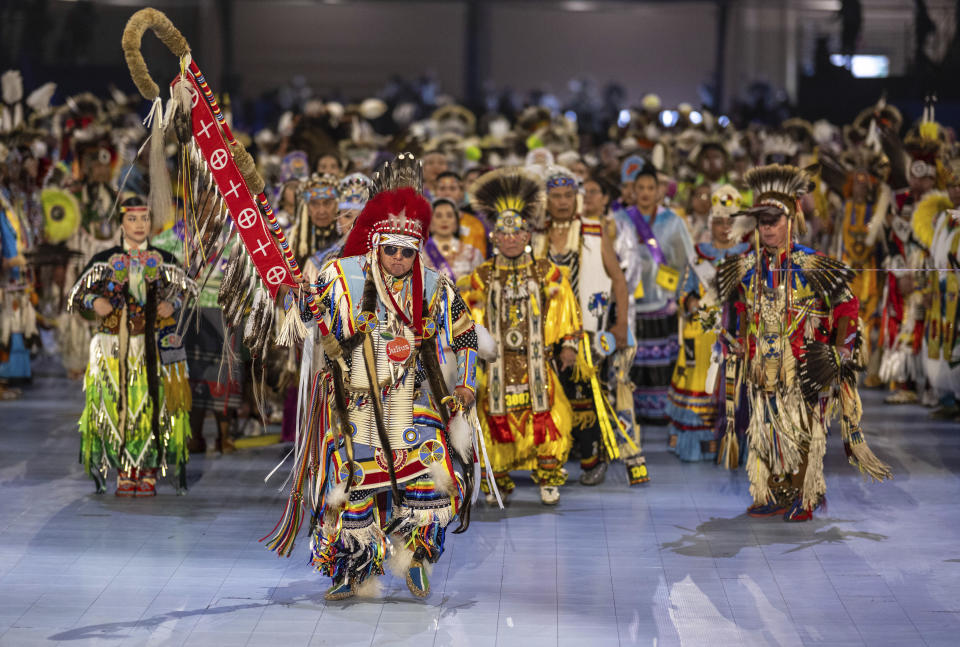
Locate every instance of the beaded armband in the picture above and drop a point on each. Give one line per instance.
(467, 369)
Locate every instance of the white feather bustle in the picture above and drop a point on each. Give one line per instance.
(461, 437)
(486, 344)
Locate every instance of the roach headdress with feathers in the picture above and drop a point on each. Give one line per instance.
(398, 214)
(509, 198)
(776, 187)
(399, 217)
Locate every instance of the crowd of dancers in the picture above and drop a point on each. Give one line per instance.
(478, 298)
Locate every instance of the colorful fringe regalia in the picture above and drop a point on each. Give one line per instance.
(397, 465)
(797, 313)
(136, 415)
(935, 228)
(529, 309)
(693, 406)
(597, 429)
(18, 318)
(214, 354)
(859, 249)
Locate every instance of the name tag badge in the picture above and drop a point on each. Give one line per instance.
(398, 350)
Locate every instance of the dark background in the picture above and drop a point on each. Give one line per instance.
(750, 59)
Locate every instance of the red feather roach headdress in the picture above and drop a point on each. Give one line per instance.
(390, 216)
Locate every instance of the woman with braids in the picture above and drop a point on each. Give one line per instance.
(136, 416)
(385, 457)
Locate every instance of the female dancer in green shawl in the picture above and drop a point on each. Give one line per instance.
(136, 416)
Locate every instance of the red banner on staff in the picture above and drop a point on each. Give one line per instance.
(256, 237)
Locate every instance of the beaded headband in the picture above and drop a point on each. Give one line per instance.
(561, 180)
(319, 193)
(399, 240)
(397, 230)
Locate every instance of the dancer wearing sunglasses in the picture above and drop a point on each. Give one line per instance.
(388, 458)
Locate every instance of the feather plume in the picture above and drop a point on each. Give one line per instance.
(730, 273)
(924, 218)
(487, 347)
(404, 172)
(509, 189)
(828, 277)
(441, 477)
(777, 182)
(461, 436)
(39, 99)
(12, 85)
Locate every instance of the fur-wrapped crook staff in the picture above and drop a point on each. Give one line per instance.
(220, 181)
(213, 135)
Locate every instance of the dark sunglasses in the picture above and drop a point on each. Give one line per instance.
(391, 250)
